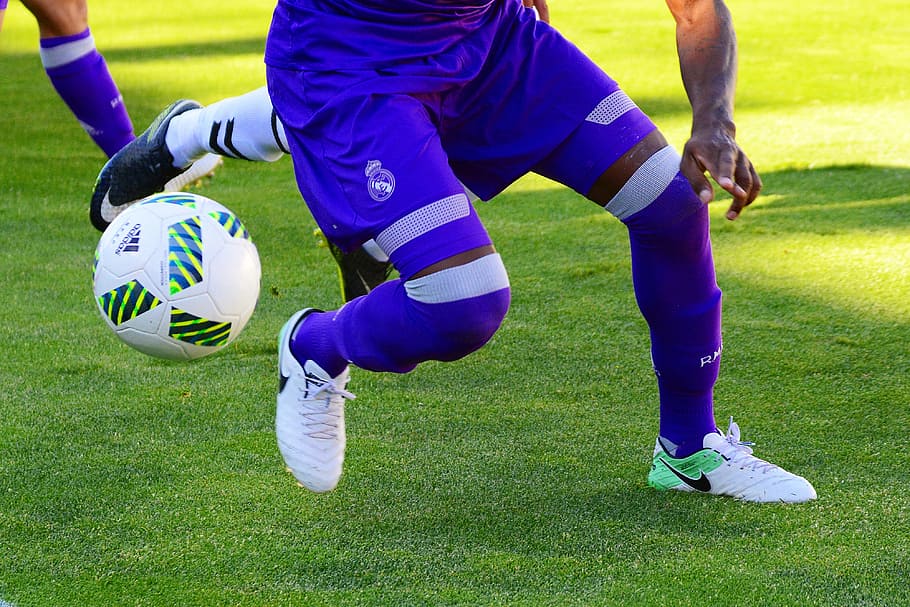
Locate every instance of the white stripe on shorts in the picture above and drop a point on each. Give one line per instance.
(610, 108)
(646, 184)
(423, 220)
(56, 56)
(473, 279)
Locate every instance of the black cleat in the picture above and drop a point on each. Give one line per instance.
(143, 167)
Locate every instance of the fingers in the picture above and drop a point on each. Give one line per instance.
(730, 168)
(727, 167)
(693, 170)
(745, 189)
(543, 11)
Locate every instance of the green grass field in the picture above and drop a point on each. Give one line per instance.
(518, 475)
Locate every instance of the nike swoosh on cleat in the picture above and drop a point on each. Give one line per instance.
(109, 212)
(699, 484)
(282, 381)
(312, 381)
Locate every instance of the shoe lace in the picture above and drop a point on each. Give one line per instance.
(323, 407)
(739, 452)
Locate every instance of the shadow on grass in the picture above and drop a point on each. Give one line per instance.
(854, 196)
(236, 46)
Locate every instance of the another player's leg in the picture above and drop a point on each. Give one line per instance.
(359, 271)
(3, 5)
(147, 165)
(184, 143)
(79, 73)
(246, 128)
(674, 281)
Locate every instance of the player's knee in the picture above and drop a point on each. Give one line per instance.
(658, 204)
(467, 325)
(463, 306)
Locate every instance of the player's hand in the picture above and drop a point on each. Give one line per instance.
(543, 11)
(717, 153)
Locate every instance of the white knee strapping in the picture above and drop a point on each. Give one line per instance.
(646, 184)
(473, 279)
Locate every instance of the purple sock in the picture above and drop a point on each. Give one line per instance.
(80, 75)
(673, 274)
(387, 330)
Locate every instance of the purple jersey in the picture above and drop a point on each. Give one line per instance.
(349, 34)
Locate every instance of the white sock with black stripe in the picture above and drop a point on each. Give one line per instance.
(243, 127)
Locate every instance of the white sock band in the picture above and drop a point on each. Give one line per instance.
(56, 56)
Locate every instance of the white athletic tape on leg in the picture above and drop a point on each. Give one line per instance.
(473, 279)
(646, 184)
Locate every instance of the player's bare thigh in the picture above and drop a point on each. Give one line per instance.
(611, 180)
(59, 17)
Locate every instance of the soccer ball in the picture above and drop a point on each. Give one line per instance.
(176, 276)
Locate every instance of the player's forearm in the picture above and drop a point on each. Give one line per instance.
(706, 43)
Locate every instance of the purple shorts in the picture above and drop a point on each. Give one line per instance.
(373, 147)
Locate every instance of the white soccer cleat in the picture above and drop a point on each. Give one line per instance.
(309, 422)
(197, 171)
(726, 466)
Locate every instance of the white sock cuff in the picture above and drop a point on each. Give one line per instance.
(55, 56)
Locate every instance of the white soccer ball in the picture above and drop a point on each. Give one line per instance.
(176, 276)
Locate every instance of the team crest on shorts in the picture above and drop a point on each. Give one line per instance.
(380, 181)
